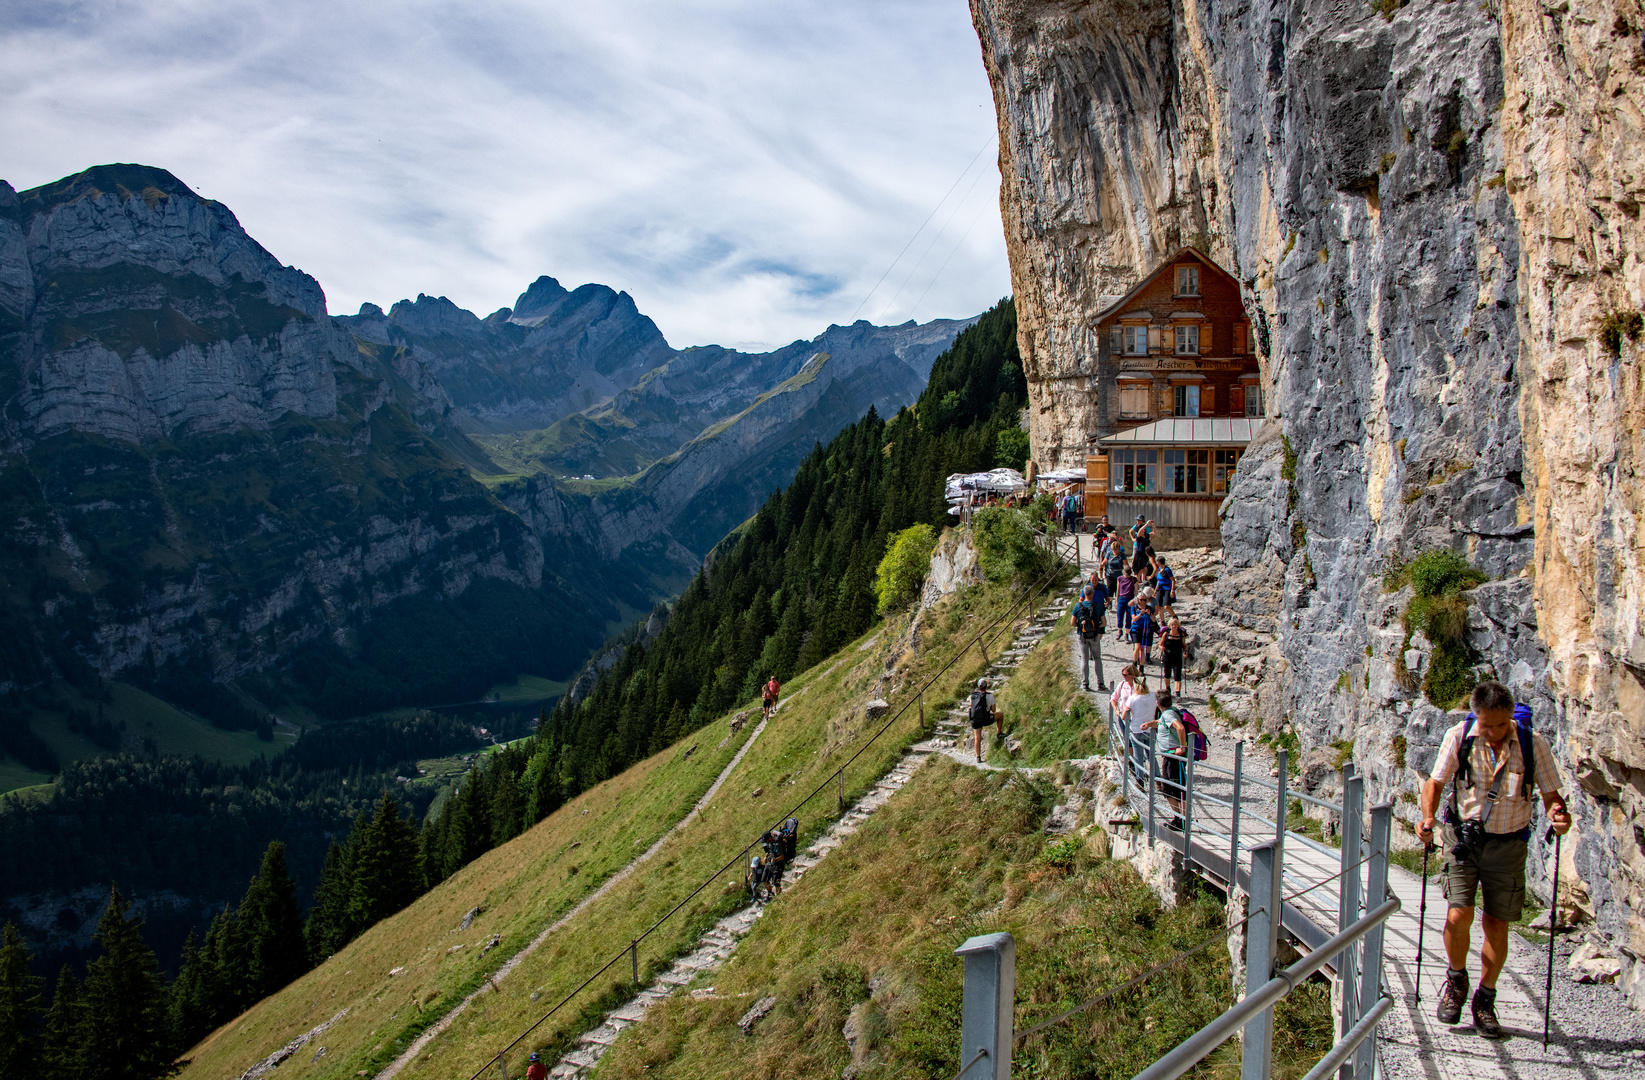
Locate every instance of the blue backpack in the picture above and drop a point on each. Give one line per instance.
(1527, 754)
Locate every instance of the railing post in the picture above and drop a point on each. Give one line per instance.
(1261, 942)
(1376, 887)
(634, 959)
(1153, 771)
(502, 1066)
(1188, 802)
(1233, 829)
(1348, 904)
(1281, 790)
(985, 1014)
(842, 789)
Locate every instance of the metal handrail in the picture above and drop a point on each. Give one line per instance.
(1345, 1047)
(1192, 1050)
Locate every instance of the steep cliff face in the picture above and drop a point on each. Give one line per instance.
(203, 478)
(1423, 274)
(1574, 125)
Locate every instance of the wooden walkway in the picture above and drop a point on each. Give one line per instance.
(1411, 1042)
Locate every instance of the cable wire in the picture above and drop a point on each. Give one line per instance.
(1032, 591)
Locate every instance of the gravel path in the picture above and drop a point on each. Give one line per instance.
(720, 942)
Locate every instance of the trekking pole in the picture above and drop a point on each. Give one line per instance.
(1553, 921)
(1422, 917)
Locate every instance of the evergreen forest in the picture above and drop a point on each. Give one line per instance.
(784, 591)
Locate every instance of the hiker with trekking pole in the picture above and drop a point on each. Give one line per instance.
(1493, 763)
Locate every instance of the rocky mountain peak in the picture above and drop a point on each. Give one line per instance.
(539, 299)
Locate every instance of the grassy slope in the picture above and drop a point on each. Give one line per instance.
(526, 883)
(174, 730)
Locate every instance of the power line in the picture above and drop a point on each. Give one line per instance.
(919, 230)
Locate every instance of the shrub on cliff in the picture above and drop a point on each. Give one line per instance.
(1007, 547)
(1440, 610)
(907, 557)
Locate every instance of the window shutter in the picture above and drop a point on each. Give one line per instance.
(1208, 401)
(1236, 400)
(1239, 337)
(1155, 337)
(1205, 337)
(1116, 343)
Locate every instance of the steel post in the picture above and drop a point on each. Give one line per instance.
(1261, 942)
(1348, 903)
(1153, 772)
(1233, 828)
(634, 959)
(1188, 801)
(1376, 888)
(985, 1015)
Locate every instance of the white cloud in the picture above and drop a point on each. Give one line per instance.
(746, 170)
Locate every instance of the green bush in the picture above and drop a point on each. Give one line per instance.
(1011, 448)
(902, 570)
(1007, 547)
(1440, 572)
(1440, 611)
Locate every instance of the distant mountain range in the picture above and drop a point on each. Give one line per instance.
(213, 489)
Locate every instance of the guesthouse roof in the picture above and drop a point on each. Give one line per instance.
(1188, 431)
(1110, 309)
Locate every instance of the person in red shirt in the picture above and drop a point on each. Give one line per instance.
(768, 697)
(536, 1070)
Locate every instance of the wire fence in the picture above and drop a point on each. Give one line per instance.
(992, 632)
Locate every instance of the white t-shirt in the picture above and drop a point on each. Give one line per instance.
(1142, 711)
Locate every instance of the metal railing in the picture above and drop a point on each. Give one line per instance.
(1352, 949)
(982, 639)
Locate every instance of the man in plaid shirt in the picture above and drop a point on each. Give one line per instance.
(1485, 834)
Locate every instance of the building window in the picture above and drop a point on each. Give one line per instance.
(1134, 470)
(1185, 472)
(1188, 340)
(1222, 472)
(1187, 401)
(1134, 399)
(1135, 339)
(1187, 281)
(1253, 400)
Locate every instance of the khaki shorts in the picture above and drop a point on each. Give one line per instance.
(1500, 874)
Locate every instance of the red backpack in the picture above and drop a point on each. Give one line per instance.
(1202, 745)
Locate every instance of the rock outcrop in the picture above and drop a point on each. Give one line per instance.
(203, 477)
(1433, 209)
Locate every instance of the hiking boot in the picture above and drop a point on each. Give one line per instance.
(1175, 824)
(1485, 1021)
(1451, 999)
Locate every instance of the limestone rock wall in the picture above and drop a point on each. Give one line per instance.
(1574, 127)
(1428, 228)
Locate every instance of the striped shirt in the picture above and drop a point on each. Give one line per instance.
(1514, 808)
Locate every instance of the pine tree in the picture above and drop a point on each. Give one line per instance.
(19, 1010)
(194, 1006)
(328, 928)
(124, 1033)
(62, 1051)
(385, 865)
(272, 927)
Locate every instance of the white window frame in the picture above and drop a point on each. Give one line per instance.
(1186, 400)
(1253, 399)
(1135, 339)
(1187, 339)
(1187, 281)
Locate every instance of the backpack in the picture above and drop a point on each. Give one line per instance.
(1202, 745)
(980, 716)
(1086, 620)
(789, 835)
(1527, 755)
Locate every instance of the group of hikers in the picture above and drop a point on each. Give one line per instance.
(765, 871)
(1143, 589)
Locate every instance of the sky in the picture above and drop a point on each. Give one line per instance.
(749, 172)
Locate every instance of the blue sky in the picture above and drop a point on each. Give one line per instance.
(748, 171)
